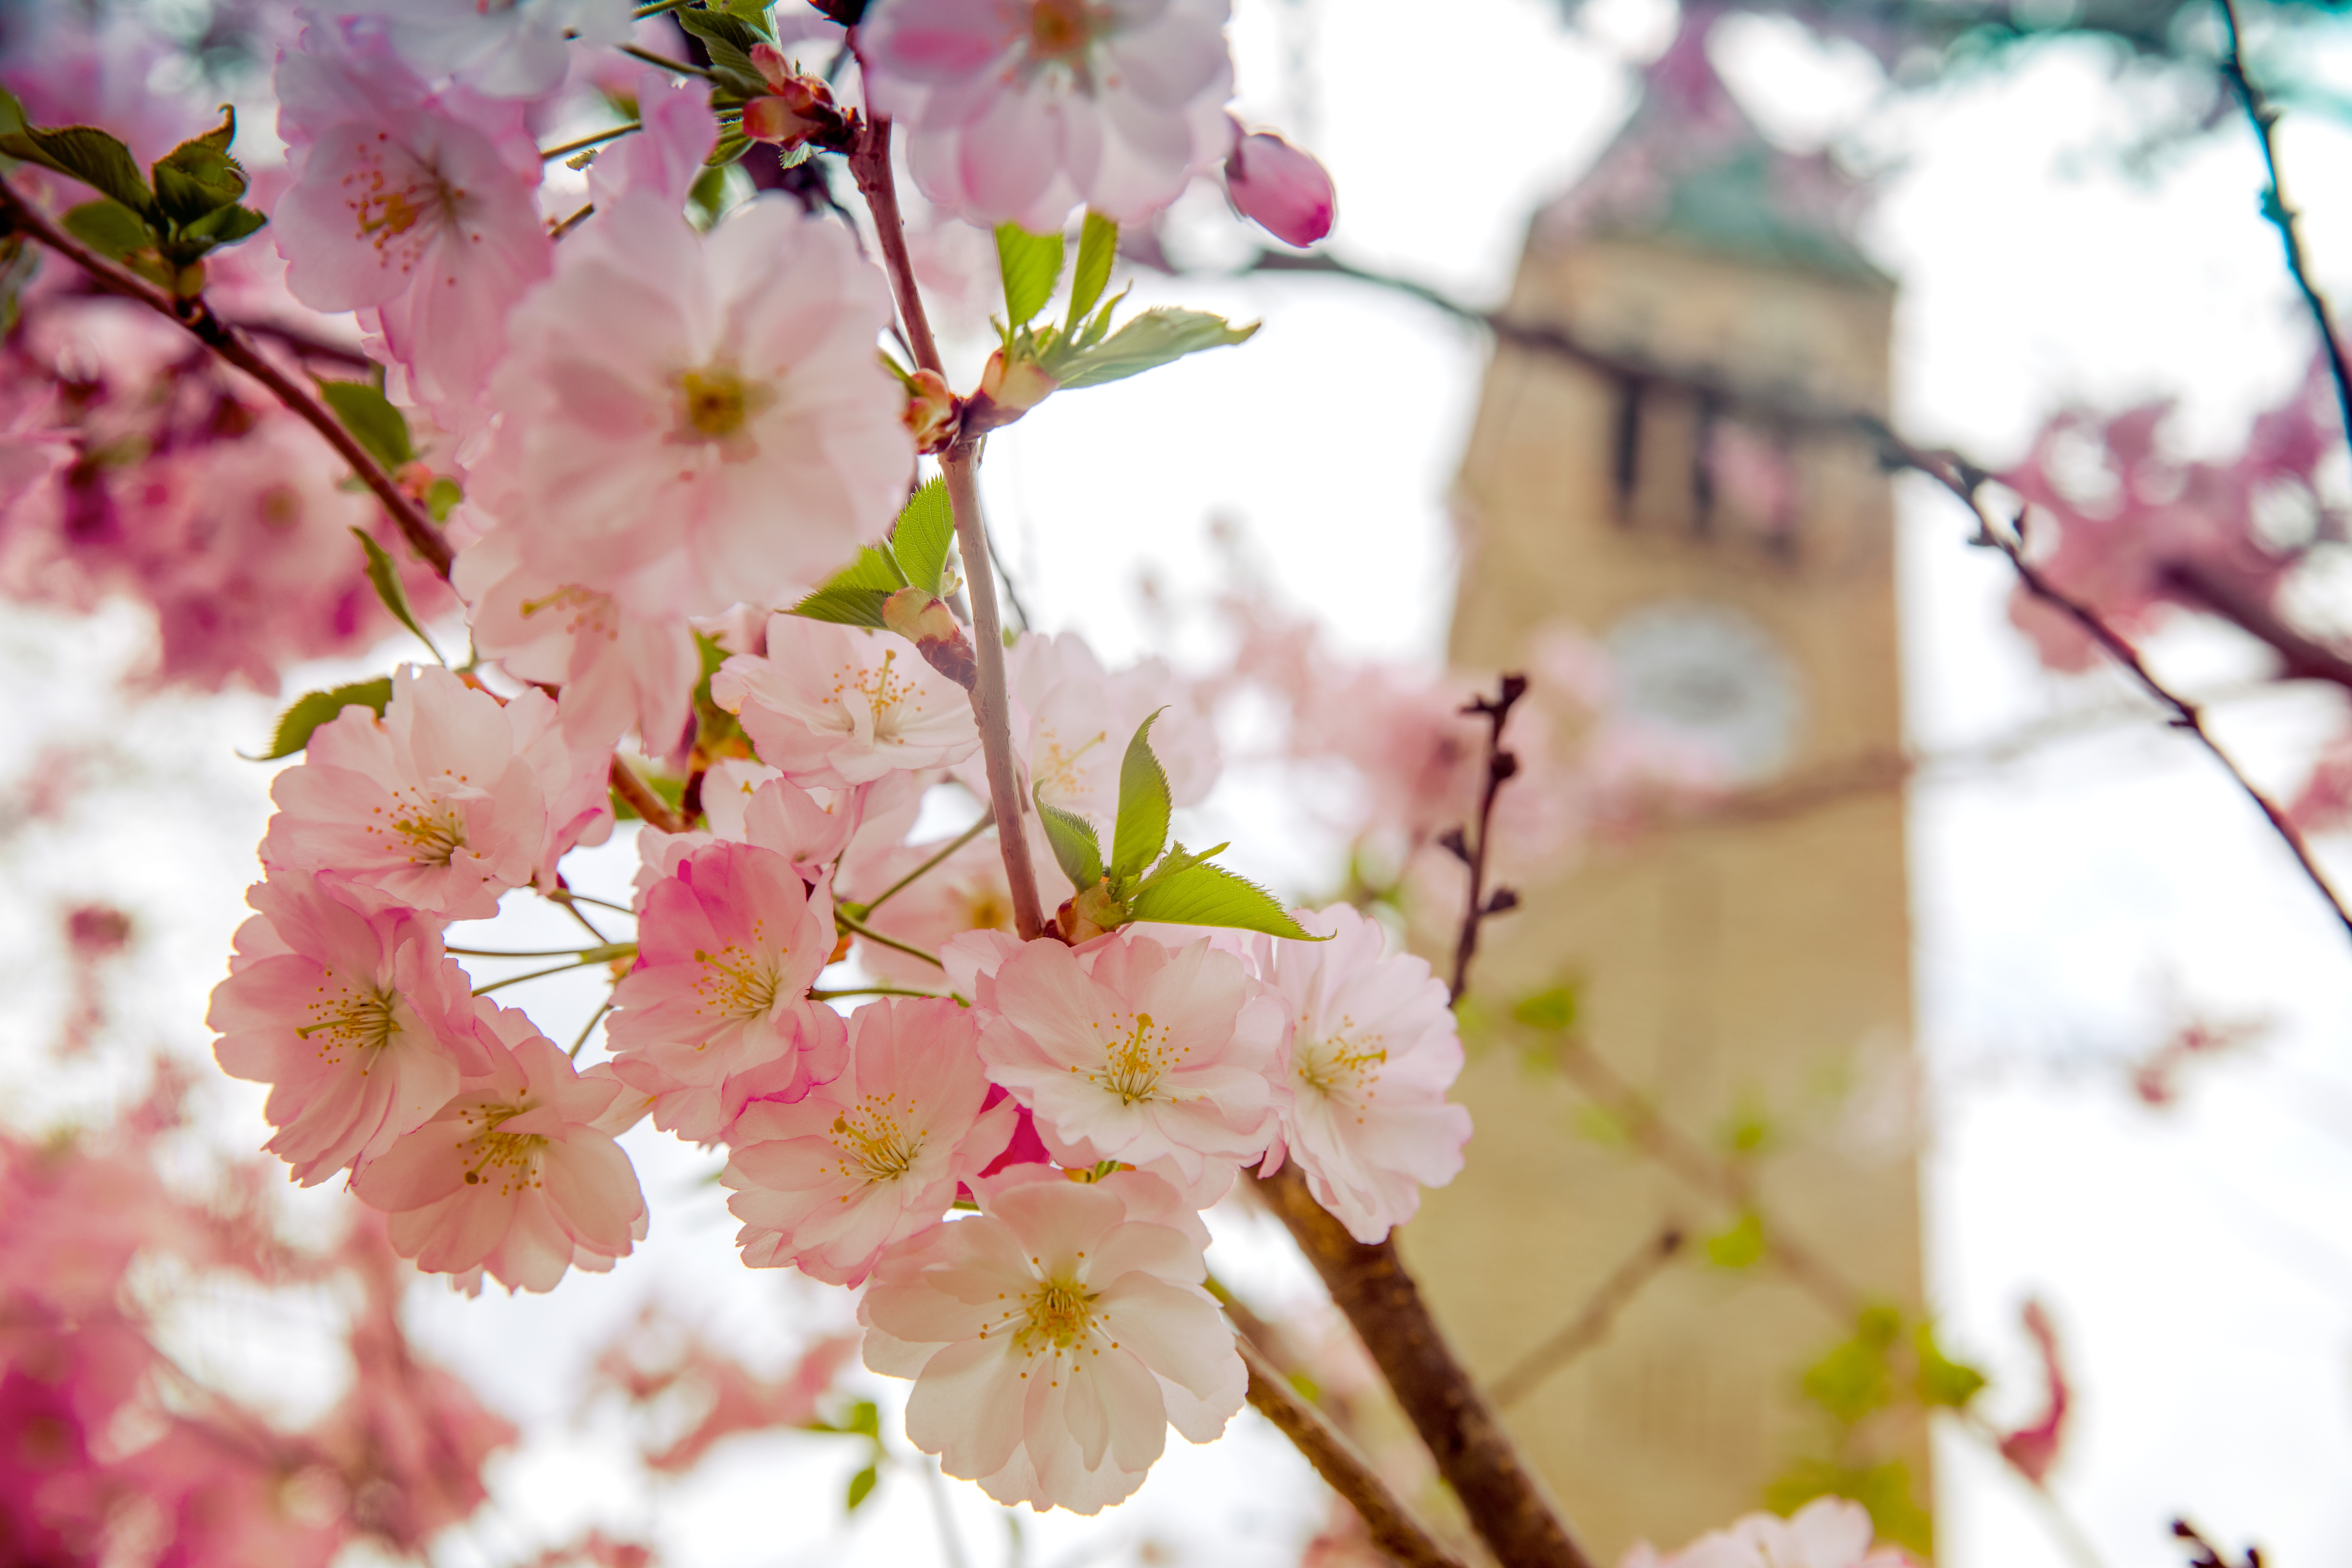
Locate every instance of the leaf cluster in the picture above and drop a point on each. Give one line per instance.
(160, 225)
(728, 30)
(1146, 877)
(915, 555)
(1082, 349)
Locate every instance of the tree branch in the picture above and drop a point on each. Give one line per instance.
(1590, 1325)
(651, 808)
(869, 163)
(1501, 765)
(234, 345)
(1392, 1528)
(1473, 1452)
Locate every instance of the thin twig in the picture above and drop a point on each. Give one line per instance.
(653, 808)
(1501, 765)
(851, 922)
(870, 163)
(236, 346)
(928, 867)
(1391, 1525)
(681, 67)
(1369, 1284)
(2203, 1553)
(558, 231)
(589, 1028)
(534, 975)
(2264, 115)
(549, 154)
(1591, 1324)
(871, 991)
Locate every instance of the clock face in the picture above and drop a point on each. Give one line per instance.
(1708, 675)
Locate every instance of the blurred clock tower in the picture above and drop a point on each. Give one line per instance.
(1754, 965)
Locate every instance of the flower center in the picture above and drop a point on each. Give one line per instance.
(737, 984)
(366, 1019)
(885, 692)
(875, 1142)
(715, 402)
(510, 1158)
(1340, 1066)
(1135, 1062)
(434, 836)
(1057, 770)
(1058, 29)
(1060, 1312)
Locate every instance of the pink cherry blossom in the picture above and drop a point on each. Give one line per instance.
(517, 49)
(512, 1176)
(825, 1182)
(1130, 1050)
(417, 208)
(844, 705)
(667, 156)
(1054, 1337)
(443, 803)
(1280, 188)
(615, 671)
(717, 1010)
(1372, 1053)
(1025, 110)
(351, 1012)
(688, 421)
(966, 891)
(1827, 1533)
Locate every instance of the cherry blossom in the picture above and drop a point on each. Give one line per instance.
(1024, 110)
(1827, 1533)
(517, 49)
(1280, 188)
(825, 1182)
(688, 421)
(513, 1175)
(1372, 1053)
(966, 891)
(416, 208)
(1129, 1049)
(443, 803)
(844, 705)
(668, 155)
(351, 1012)
(717, 1010)
(1054, 1337)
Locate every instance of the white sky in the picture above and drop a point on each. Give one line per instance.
(2199, 1262)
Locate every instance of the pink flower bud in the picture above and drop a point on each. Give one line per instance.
(1280, 188)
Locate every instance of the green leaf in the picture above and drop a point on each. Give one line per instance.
(1143, 806)
(1941, 1380)
(1153, 339)
(386, 578)
(1552, 1009)
(843, 607)
(864, 1419)
(1741, 1245)
(369, 415)
(225, 227)
(1098, 245)
(1855, 1377)
(729, 148)
(83, 151)
(728, 38)
(198, 176)
(1031, 264)
(108, 227)
(316, 708)
(861, 1486)
(1204, 895)
(1075, 847)
(919, 539)
(442, 497)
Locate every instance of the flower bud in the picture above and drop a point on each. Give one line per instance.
(797, 108)
(925, 622)
(1008, 389)
(1280, 188)
(933, 411)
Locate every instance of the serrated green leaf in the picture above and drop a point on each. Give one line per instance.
(1031, 264)
(1076, 848)
(316, 708)
(1144, 804)
(370, 416)
(198, 176)
(1205, 895)
(844, 606)
(1098, 246)
(729, 148)
(729, 39)
(225, 227)
(873, 569)
(87, 153)
(386, 578)
(861, 1486)
(108, 227)
(1741, 1245)
(219, 137)
(919, 539)
(1153, 339)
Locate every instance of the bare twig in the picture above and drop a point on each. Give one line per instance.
(1392, 1528)
(653, 808)
(2264, 115)
(236, 347)
(870, 163)
(1590, 1325)
(2202, 1553)
(1501, 765)
(1473, 1452)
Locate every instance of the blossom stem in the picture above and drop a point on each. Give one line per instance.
(589, 1028)
(875, 936)
(234, 345)
(534, 975)
(1500, 767)
(1461, 1431)
(681, 67)
(886, 894)
(560, 229)
(654, 810)
(869, 163)
(602, 954)
(870, 991)
(549, 154)
(1393, 1528)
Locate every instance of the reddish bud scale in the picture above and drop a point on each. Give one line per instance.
(926, 622)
